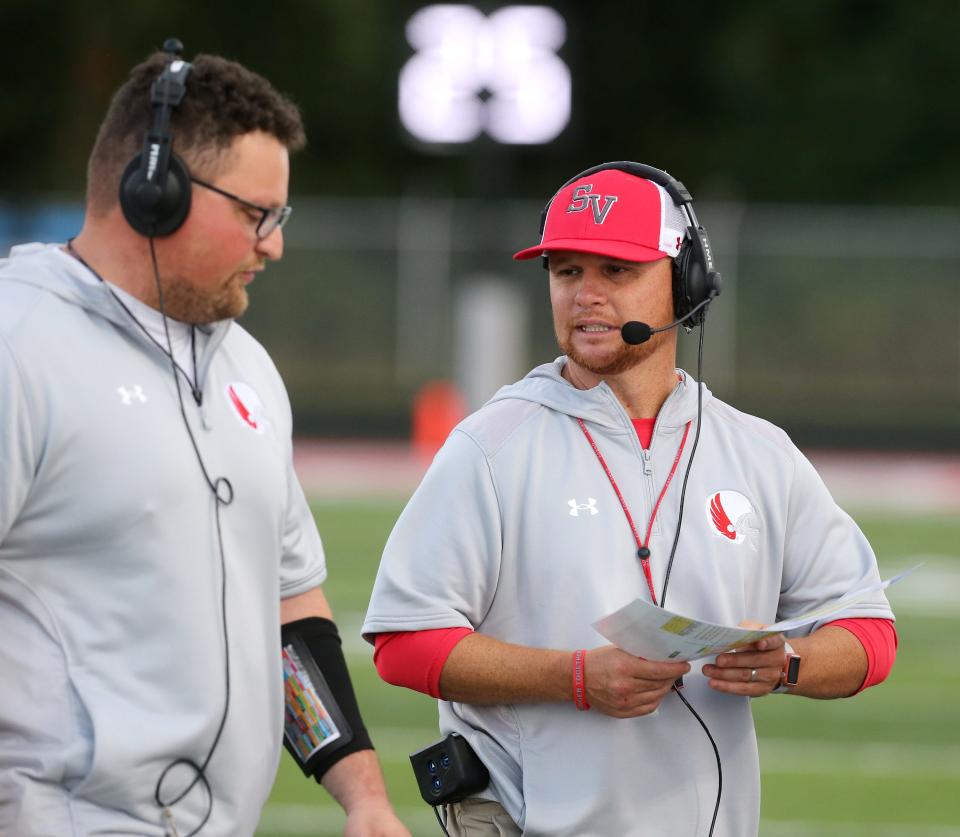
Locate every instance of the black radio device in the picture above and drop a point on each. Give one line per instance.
(449, 771)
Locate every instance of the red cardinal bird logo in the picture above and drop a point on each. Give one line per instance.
(247, 406)
(733, 518)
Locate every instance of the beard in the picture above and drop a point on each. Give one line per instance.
(612, 362)
(188, 303)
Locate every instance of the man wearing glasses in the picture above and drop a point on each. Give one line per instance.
(153, 535)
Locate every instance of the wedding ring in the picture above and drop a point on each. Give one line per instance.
(753, 675)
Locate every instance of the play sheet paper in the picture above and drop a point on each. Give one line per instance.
(648, 631)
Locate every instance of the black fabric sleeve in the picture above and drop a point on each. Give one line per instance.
(314, 643)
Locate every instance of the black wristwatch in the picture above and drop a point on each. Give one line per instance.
(790, 675)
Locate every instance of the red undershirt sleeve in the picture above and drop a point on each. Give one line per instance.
(879, 639)
(414, 659)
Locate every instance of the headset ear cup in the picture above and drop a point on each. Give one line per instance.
(679, 268)
(693, 283)
(695, 289)
(155, 209)
(689, 285)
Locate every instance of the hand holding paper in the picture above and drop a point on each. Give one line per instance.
(654, 633)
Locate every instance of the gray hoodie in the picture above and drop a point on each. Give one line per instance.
(113, 650)
(517, 533)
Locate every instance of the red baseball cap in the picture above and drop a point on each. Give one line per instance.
(612, 213)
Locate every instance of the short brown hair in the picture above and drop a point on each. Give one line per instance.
(223, 101)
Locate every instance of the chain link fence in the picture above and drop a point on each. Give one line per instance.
(839, 323)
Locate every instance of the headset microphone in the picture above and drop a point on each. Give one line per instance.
(634, 332)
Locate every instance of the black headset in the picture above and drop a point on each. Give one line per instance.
(155, 185)
(694, 277)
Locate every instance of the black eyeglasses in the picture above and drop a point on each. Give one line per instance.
(272, 218)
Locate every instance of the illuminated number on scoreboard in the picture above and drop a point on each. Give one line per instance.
(474, 74)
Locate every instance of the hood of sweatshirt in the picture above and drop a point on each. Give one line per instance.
(546, 385)
(51, 269)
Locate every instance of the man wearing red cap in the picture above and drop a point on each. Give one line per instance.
(575, 491)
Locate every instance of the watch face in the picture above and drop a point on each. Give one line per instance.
(792, 672)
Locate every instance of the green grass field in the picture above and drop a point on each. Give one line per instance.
(885, 763)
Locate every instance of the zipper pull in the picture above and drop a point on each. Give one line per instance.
(647, 467)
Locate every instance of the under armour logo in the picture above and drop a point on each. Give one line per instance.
(127, 395)
(576, 508)
(582, 198)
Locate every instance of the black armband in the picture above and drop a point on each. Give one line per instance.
(322, 722)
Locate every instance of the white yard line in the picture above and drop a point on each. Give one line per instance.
(320, 821)
(859, 758)
(869, 759)
(290, 820)
(804, 828)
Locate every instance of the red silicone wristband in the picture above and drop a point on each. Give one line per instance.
(579, 684)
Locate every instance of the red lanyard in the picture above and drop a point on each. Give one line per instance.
(643, 550)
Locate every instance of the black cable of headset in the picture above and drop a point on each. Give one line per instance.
(224, 500)
(227, 499)
(666, 580)
(716, 753)
(686, 474)
(443, 827)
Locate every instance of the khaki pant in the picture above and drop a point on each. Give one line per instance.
(480, 818)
